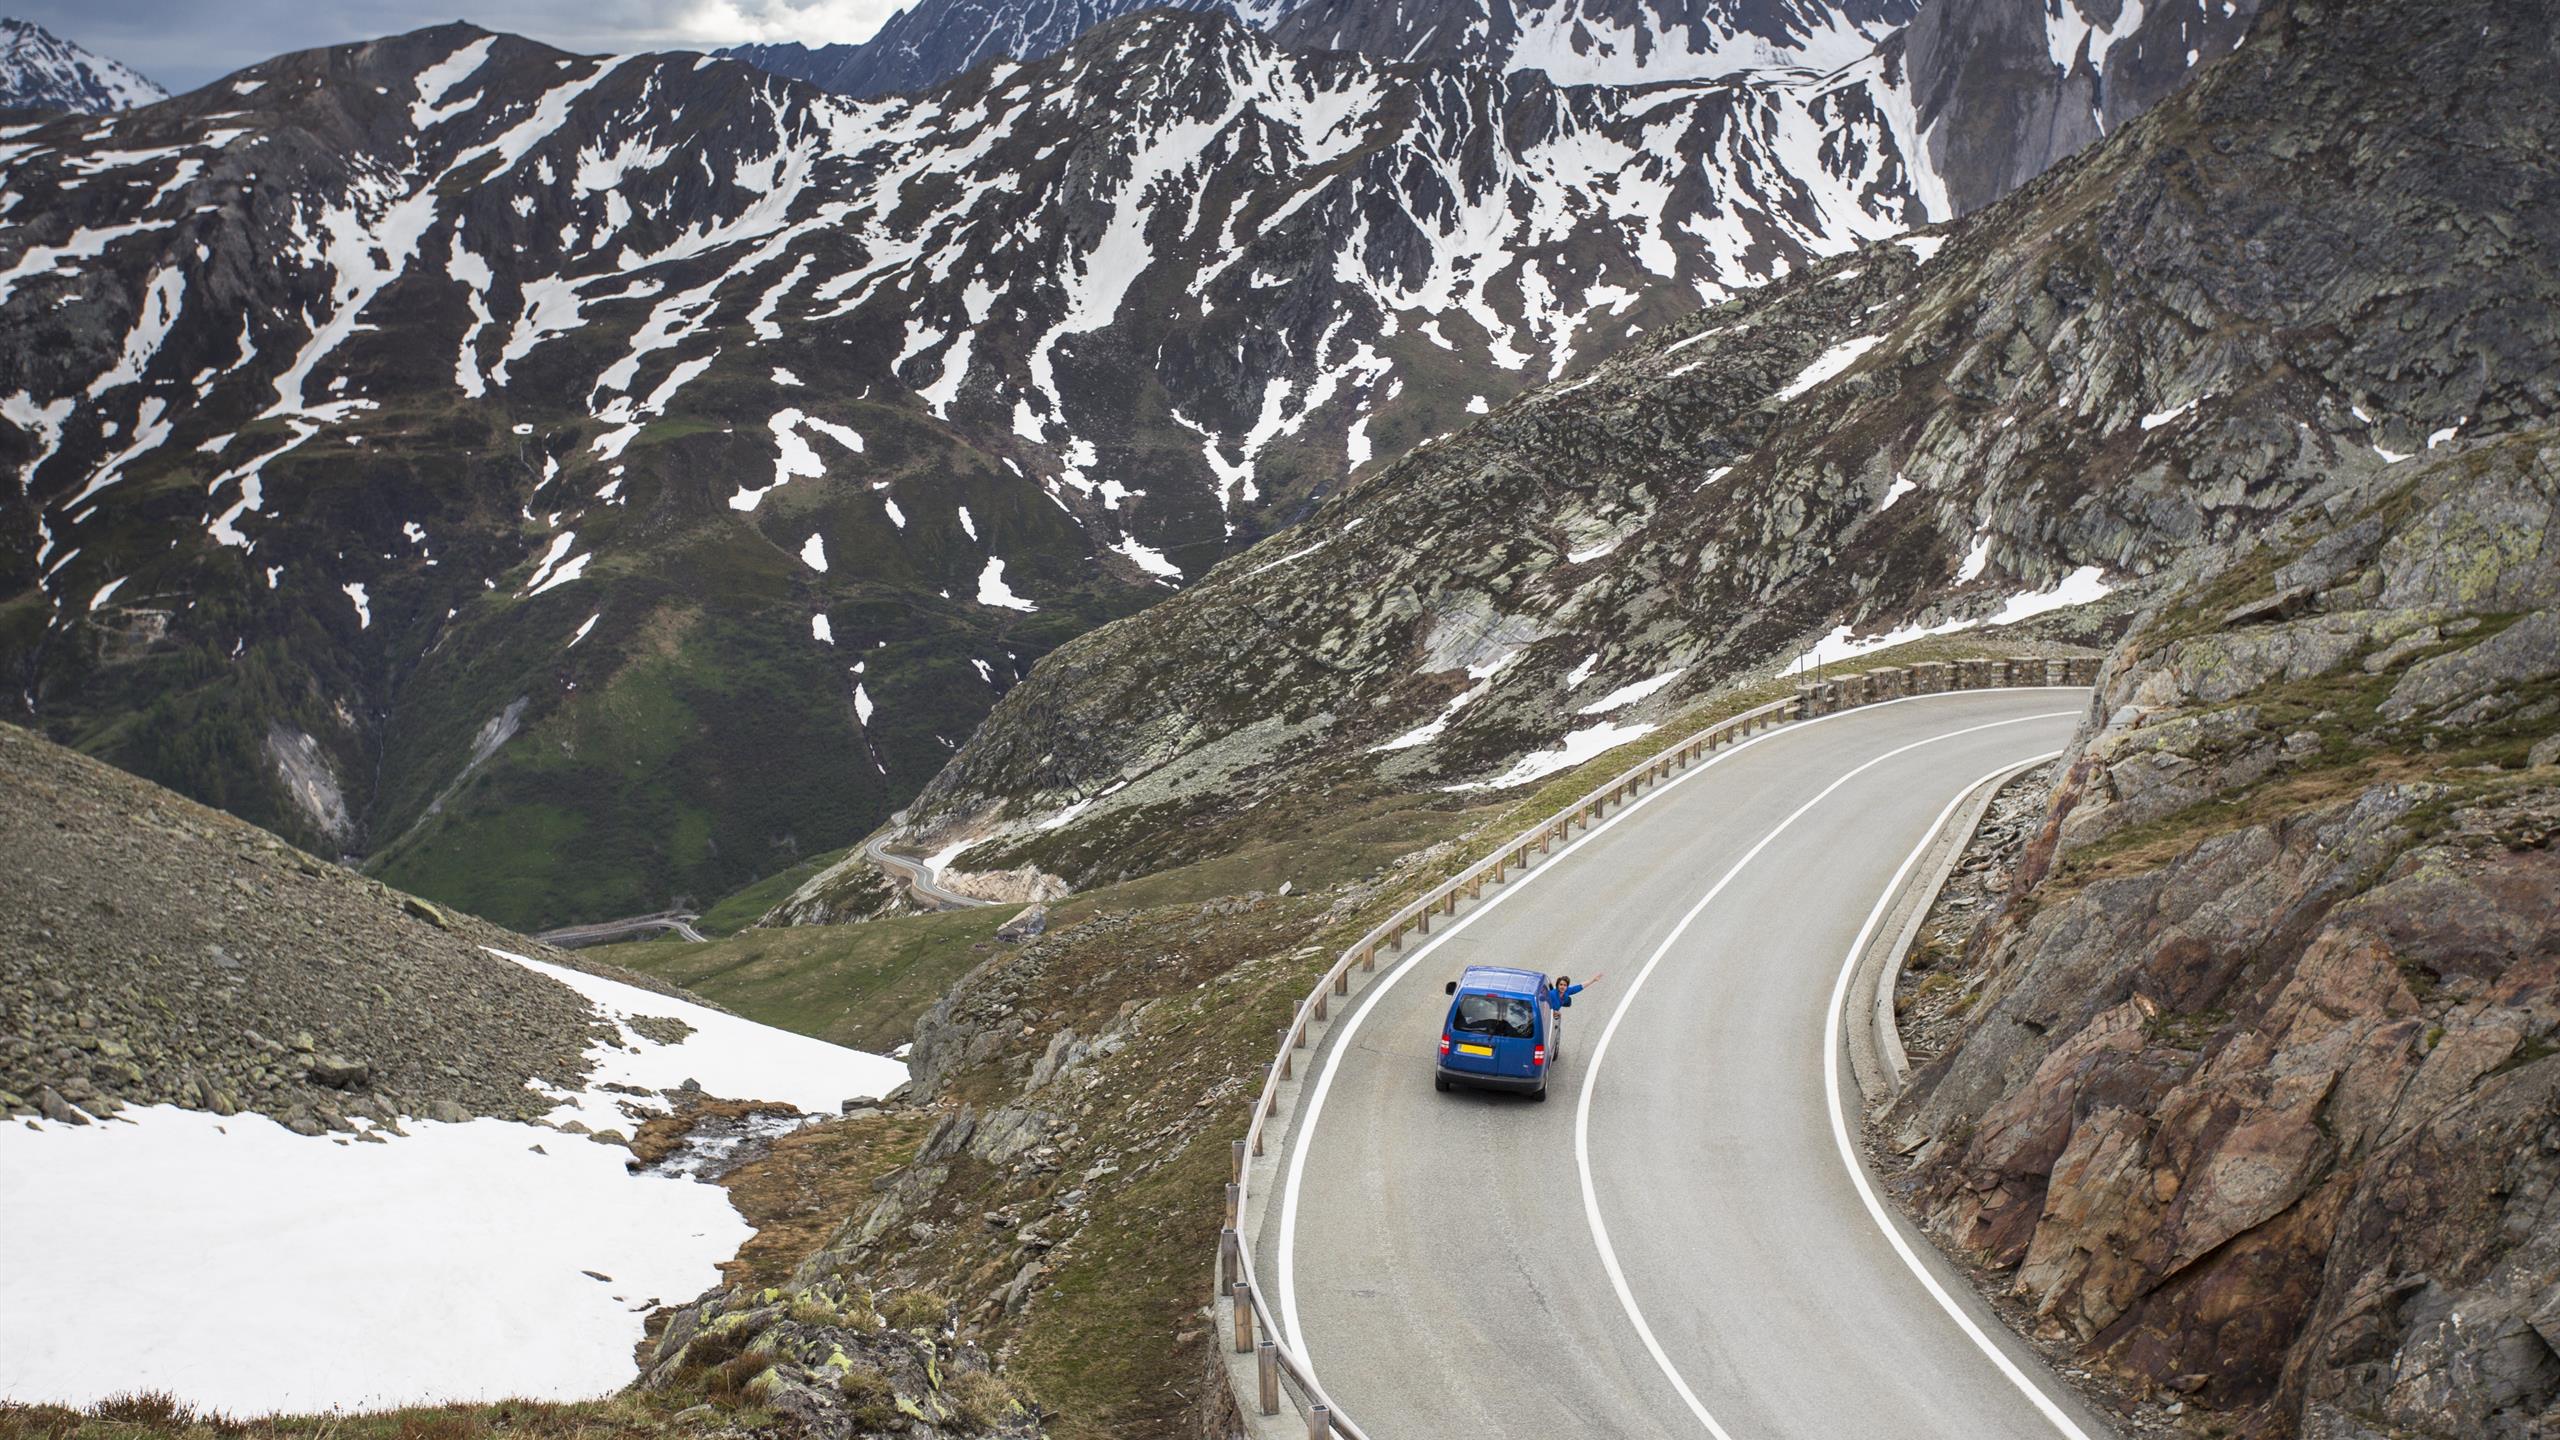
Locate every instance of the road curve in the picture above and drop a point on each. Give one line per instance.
(1678, 1247)
(678, 923)
(917, 879)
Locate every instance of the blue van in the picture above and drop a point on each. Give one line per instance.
(1501, 1033)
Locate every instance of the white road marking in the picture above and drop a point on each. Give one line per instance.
(1600, 1055)
(1303, 1140)
(1858, 1172)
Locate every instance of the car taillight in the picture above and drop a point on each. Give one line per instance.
(1444, 1044)
(1538, 1055)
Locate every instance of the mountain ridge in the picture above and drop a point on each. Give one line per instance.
(40, 70)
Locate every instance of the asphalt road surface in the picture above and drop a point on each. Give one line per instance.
(918, 879)
(678, 923)
(1676, 1243)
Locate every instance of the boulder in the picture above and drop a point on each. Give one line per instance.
(1029, 925)
(338, 1072)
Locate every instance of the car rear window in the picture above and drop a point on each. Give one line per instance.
(1506, 1017)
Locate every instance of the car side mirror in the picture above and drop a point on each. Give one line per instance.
(1450, 989)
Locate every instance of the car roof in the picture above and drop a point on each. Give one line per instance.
(1501, 980)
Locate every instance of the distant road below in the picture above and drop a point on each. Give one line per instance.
(918, 878)
(605, 932)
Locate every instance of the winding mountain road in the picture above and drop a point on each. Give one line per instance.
(678, 923)
(1680, 1241)
(918, 878)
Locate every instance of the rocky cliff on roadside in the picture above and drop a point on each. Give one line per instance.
(2258, 1103)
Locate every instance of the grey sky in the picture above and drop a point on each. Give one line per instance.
(185, 43)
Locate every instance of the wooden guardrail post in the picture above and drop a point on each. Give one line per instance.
(1237, 1160)
(1231, 1204)
(1242, 1294)
(1266, 1362)
(1230, 1254)
(1286, 1049)
(1319, 1422)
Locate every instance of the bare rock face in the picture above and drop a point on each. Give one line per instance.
(2260, 1104)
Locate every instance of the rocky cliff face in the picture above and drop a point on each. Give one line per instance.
(490, 462)
(2194, 329)
(2257, 1102)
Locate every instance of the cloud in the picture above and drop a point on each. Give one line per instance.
(187, 43)
(812, 22)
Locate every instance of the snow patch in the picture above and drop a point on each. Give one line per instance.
(1829, 364)
(2080, 587)
(731, 1057)
(444, 1266)
(993, 591)
(1578, 747)
(1626, 695)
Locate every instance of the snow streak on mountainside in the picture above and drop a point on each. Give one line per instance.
(40, 70)
(381, 405)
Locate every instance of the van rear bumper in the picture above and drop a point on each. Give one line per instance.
(1485, 1080)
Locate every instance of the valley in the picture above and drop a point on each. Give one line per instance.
(1035, 534)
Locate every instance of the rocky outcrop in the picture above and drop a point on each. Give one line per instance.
(825, 1356)
(2006, 89)
(2259, 1104)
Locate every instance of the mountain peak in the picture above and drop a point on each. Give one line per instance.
(40, 70)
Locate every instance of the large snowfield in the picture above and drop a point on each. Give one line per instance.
(249, 1270)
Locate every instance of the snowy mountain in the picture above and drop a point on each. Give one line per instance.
(2131, 364)
(40, 70)
(932, 41)
(419, 391)
(425, 444)
(1572, 41)
(1610, 42)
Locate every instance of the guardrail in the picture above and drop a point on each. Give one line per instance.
(1246, 1322)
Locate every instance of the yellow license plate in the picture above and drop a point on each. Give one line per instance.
(1475, 1050)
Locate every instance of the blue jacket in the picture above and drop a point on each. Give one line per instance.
(1561, 996)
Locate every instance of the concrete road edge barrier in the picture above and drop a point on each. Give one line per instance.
(1876, 1053)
